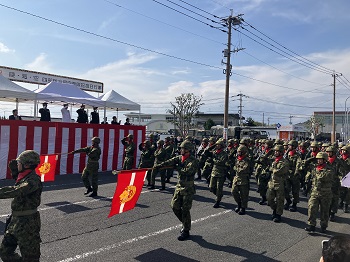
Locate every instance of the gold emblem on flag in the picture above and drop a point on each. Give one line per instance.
(127, 194)
(45, 168)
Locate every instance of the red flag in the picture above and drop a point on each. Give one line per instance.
(46, 168)
(129, 187)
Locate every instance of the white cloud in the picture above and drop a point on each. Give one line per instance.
(40, 63)
(5, 49)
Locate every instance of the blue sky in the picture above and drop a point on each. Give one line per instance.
(274, 85)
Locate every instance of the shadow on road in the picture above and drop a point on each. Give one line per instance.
(161, 255)
(248, 255)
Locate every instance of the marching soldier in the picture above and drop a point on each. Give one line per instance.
(129, 150)
(201, 157)
(218, 174)
(292, 184)
(275, 193)
(23, 226)
(146, 159)
(336, 164)
(240, 184)
(344, 191)
(186, 166)
(170, 153)
(91, 170)
(231, 155)
(159, 157)
(208, 166)
(321, 195)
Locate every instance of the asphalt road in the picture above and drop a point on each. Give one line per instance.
(76, 227)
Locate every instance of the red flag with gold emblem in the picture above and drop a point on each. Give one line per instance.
(46, 168)
(129, 187)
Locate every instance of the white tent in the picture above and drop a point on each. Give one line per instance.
(9, 91)
(55, 91)
(114, 100)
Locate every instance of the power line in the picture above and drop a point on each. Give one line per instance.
(200, 9)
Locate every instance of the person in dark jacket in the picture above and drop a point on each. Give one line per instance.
(15, 115)
(45, 113)
(95, 118)
(82, 115)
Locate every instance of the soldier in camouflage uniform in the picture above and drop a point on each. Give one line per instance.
(201, 157)
(262, 173)
(146, 159)
(308, 165)
(292, 184)
(231, 154)
(128, 151)
(218, 174)
(208, 166)
(91, 170)
(344, 191)
(23, 226)
(336, 164)
(186, 166)
(321, 195)
(279, 170)
(159, 157)
(170, 153)
(240, 185)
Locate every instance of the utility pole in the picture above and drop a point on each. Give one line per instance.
(263, 119)
(333, 137)
(229, 22)
(240, 108)
(290, 119)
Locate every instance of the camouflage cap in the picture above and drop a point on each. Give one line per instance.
(346, 148)
(205, 140)
(278, 148)
(331, 149)
(314, 144)
(186, 145)
(212, 139)
(96, 139)
(29, 157)
(230, 141)
(326, 144)
(293, 143)
(220, 142)
(147, 143)
(285, 143)
(268, 142)
(322, 155)
(130, 136)
(242, 149)
(160, 142)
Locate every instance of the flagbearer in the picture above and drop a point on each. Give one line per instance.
(91, 170)
(23, 226)
(186, 166)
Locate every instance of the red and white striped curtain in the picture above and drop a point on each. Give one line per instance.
(54, 137)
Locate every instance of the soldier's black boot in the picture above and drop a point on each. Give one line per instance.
(88, 190)
(217, 204)
(242, 211)
(293, 208)
(273, 214)
(151, 187)
(287, 204)
(310, 228)
(323, 229)
(277, 218)
(185, 234)
(341, 205)
(332, 217)
(262, 201)
(346, 208)
(93, 194)
(238, 208)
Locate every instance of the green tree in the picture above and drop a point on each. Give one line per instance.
(208, 124)
(314, 125)
(249, 122)
(184, 109)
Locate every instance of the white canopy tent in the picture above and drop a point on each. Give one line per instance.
(116, 101)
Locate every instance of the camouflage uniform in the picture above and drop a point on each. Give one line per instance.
(218, 174)
(336, 164)
(208, 166)
(321, 194)
(344, 191)
(181, 202)
(170, 152)
(159, 157)
(292, 184)
(240, 185)
(231, 155)
(129, 152)
(91, 169)
(146, 158)
(275, 193)
(24, 226)
(201, 157)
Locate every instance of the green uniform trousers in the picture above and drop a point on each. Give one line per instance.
(90, 174)
(216, 186)
(241, 194)
(275, 199)
(322, 203)
(181, 205)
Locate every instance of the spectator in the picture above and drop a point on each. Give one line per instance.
(127, 122)
(65, 114)
(115, 121)
(336, 249)
(45, 113)
(105, 122)
(82, 115)
(15, 115)
(95, 118)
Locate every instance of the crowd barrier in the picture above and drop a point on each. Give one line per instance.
(61, 138)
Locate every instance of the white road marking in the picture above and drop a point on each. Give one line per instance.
(132, 240)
